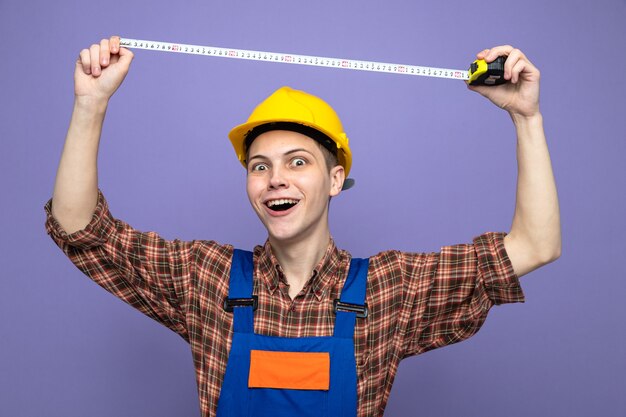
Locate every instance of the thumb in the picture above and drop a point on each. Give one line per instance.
(480, 89)
(125, 58)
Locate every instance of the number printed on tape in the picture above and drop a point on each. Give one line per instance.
(310, 60)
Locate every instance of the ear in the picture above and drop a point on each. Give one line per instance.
(337, 176)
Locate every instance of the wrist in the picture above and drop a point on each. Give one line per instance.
(529, 129)
(90, 105)
(88, 113)
(522, 120)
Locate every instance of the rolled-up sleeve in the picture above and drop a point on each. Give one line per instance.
(141, 268)
(94, 234)
(494, 267)
(449, 294)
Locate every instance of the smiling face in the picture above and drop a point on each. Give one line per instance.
(289, 185)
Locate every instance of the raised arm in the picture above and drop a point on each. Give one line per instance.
(535, 236)
(99, 72)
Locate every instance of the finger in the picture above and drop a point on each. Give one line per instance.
(517, 70)
(515, 55)
(114, 44)
(94, 53)
(476, 88)
(105, 54)
(525, 70)
(123, 60)
(85, 61)
(482, 54)
(497, 51)
(126, 56)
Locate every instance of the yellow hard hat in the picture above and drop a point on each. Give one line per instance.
(290, 106)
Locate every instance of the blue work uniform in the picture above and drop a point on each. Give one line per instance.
(287, 377)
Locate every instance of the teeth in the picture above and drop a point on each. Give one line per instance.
(273, 203)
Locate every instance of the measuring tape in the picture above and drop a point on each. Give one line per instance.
(479, 73)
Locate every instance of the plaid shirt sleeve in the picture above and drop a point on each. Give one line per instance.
(142, 269)
(448, 294)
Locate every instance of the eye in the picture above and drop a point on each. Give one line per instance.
(298, 162)
(258, 167)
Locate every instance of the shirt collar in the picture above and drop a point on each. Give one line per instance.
(325, 273)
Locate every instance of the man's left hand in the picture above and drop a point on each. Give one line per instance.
(520, 95)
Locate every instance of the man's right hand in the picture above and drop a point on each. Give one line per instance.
(101, 69)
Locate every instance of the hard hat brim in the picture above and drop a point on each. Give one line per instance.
(238, 135)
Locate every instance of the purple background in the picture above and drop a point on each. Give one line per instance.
(434, 163)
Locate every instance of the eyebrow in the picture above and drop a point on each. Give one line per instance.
(289, 152)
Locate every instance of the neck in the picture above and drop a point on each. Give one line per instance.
(299, 258)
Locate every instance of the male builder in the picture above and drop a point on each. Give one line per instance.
(298, 328)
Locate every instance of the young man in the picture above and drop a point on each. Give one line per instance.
(298, 327)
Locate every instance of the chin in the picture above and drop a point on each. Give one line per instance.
(282, 235)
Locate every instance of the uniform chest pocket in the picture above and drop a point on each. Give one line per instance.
(289, 370)
(288, 383)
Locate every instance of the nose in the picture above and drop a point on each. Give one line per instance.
(278, 179)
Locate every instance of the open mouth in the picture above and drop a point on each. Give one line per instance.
(281, 204)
